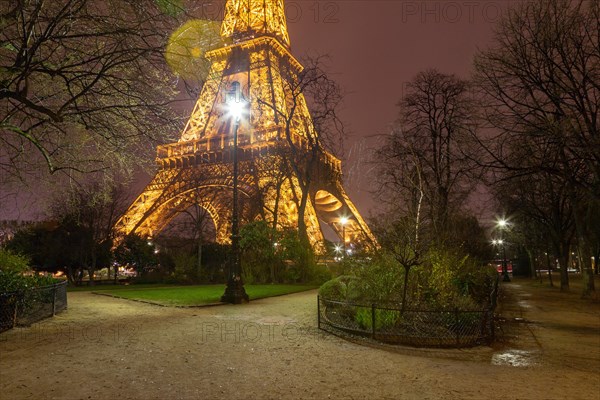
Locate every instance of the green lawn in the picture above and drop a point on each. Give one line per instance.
(98, 288)
(198, 295)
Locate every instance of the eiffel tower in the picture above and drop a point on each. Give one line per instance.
(198, 168)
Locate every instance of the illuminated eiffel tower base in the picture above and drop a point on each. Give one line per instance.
(198, 169)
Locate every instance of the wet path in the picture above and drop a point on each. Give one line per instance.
(546, 328)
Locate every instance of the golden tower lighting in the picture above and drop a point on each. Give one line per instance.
(256, 50)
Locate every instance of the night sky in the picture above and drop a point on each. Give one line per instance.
(376, 47)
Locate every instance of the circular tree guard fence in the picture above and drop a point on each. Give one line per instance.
(414, 327)
(25, 307)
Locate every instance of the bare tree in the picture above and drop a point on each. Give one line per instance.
(428, 155)
(194, 223)
(88, 213)
(401, 229)
(308, 136)
(541, 87)
(83, 84)
(542, 201)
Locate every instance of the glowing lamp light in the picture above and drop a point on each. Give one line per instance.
(236, 108)
(343, 220)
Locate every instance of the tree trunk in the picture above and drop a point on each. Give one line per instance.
(584, 254)
(302, 232)
(585, 260)
(70, 276)
(405, 288)
(199, 265)
(562, 254)
(276, 205)
(79, 275)
(549, 267)
(531, 254)
(92, 267)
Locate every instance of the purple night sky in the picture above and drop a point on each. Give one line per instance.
(376, 47)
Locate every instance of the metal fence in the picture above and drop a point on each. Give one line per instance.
(414, 327)
(23, 308)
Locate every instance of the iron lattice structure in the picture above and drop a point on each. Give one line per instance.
(198, 168)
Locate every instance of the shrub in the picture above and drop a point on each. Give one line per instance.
(381, 279)
(185, 268)
(343, 288)
(298, 255)
(260, 264)
(383, 318)
(11, 262)
(319, 274)
(12, 278)
(447, 279)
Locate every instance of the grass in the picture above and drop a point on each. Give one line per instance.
(198, 295)
(103, 287)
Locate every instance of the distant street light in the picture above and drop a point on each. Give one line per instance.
(235, 292)
(338, 252)
(502, 225)
(344, 221)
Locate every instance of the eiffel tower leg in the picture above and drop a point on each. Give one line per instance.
(335, 208)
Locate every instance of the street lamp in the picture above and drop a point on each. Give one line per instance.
(344, 221)
(235, 292)
(338, 251)
(502, 224)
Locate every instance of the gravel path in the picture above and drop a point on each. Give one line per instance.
(106, 348)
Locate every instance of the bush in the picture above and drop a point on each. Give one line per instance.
(12, 278)
(185, 268)
(381, 279)
(319, 274)
(260, 263)
(11, 262)
(447, 279)
(342, 288)
(383, 318)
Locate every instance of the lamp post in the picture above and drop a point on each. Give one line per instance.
(502, 225)
(344, 221)
(235, 292)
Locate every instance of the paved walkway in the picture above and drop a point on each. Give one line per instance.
(542, 326)
(105, 348)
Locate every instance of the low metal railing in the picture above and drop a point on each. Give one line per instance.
(419, 327)
(25, 307)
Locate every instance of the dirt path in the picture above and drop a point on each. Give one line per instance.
(105, 348)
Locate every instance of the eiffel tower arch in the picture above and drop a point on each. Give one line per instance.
(198, 168)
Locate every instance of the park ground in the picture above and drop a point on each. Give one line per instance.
(109, 348)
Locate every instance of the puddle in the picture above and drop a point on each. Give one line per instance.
(524, 304)
(515, 358)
